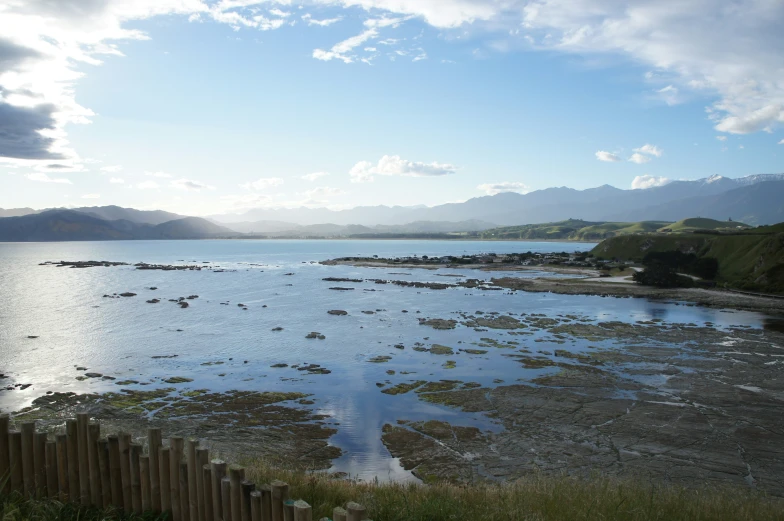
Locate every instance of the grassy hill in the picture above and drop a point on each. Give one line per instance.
(572, 230)
(696, 224)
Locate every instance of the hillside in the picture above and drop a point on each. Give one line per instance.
(571, 230)
(695, 224)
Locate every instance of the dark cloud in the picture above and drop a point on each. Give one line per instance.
(12, 54)
(19, 131)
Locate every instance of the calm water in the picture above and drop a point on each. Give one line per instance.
(118, 337)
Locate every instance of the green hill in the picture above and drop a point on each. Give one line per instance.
(572, 230)
(698, 223)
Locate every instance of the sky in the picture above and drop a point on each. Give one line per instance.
(204, 107)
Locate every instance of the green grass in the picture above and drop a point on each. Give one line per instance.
(536, 498)
(700, 223)
(573, 229)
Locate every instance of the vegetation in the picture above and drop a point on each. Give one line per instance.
(660, 275)
(536, 498)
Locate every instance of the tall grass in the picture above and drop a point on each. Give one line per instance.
(538, 498)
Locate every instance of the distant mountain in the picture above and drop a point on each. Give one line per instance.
(16, 212)
(280, 228)
(71, 225)
(115, 213)
(604, 203)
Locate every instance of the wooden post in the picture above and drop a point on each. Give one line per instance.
(185, 491)
(155, 442)
(266, 502)
(82, 420)
(192, 465)
(5, 455)
(236, 475)
(28, 465)
(15, 460)
(209, 510)
(115, 469)
(339, 514)
(144, 470)
(280, 493)
(62, 466)
(288, 510)
(175, 457)
(356, 512)
(246, 488)
(96, 493)
(39, 462)
(255, 505)
(125, 470)
(164, 478)
(136, 478)
(302, 511)
(225, 488)
(105, 473)
(51, 469)
(218, 472)
(202, 458)
(72, 436)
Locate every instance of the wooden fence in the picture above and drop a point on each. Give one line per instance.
(81, 467)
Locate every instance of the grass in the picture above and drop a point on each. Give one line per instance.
(701, 223)
(536, 498)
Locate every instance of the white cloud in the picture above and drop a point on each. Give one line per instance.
(721, 138)
(147, 185)
(91, 196)
(781, 142)
(117, 180)
(162, 175)
(190, 185)
(246, 200)
(321, 23)
(43, 178)
(321, 194)
(111, 168)
(314, 176)
(603, 155)
(396, 166)
(639, 158)
(506, 186)
(669, 94)
(344, 50)
(263, 183)
(648, 181)
(651, 150)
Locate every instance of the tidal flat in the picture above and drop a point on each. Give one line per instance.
(410, 375)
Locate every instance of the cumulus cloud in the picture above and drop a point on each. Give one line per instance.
(91, 196)
(117, 180)
(648, 181)
(603, 155)
(190, 185)
(781, 142)
(147, 185)
(321, 23)
(314, 176)
(651, 150)
(111, 168)
(44, 178)
(396, 166)
(506, 186)
(639, 158)
(263, 183)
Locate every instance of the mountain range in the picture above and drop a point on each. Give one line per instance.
(756, 200)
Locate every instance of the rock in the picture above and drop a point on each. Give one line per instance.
(277, 366)
(380, 359)
(24, 386)
(277, 328)
(127, 294)
(191, 297)
(153, 288)
(183, 305)
(153, 301)
(315, 334)
(178, 380)
(93, 375)
(339, 312)
(338, 288)
(80, 368)
(32, 336)
(438, 349)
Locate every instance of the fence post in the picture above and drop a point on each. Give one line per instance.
(288, 510)
(28, 472)
(175, 457)
(225, 488)
(82, 419)
(51, 469)
(302, 511)
(356, 512)
(185, 491)
(255, 505)
(266, 502)
(115, 469)
(280, 493)
(39, 462)
(105, 473)
(93, 434)
(62, 466)
(136, 478)
(192, 465)
(5, 455)
(125, 470)
(164, 478)
(15, 460)
(154, 443)
(144, 471)
(236, 475)
(339, 514)
(246, 488)
(72, 437)
(209, 509)
(218, 472)
(202, 457)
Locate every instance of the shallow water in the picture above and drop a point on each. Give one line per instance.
(76, 326)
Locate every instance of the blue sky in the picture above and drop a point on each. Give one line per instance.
(203, 107)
